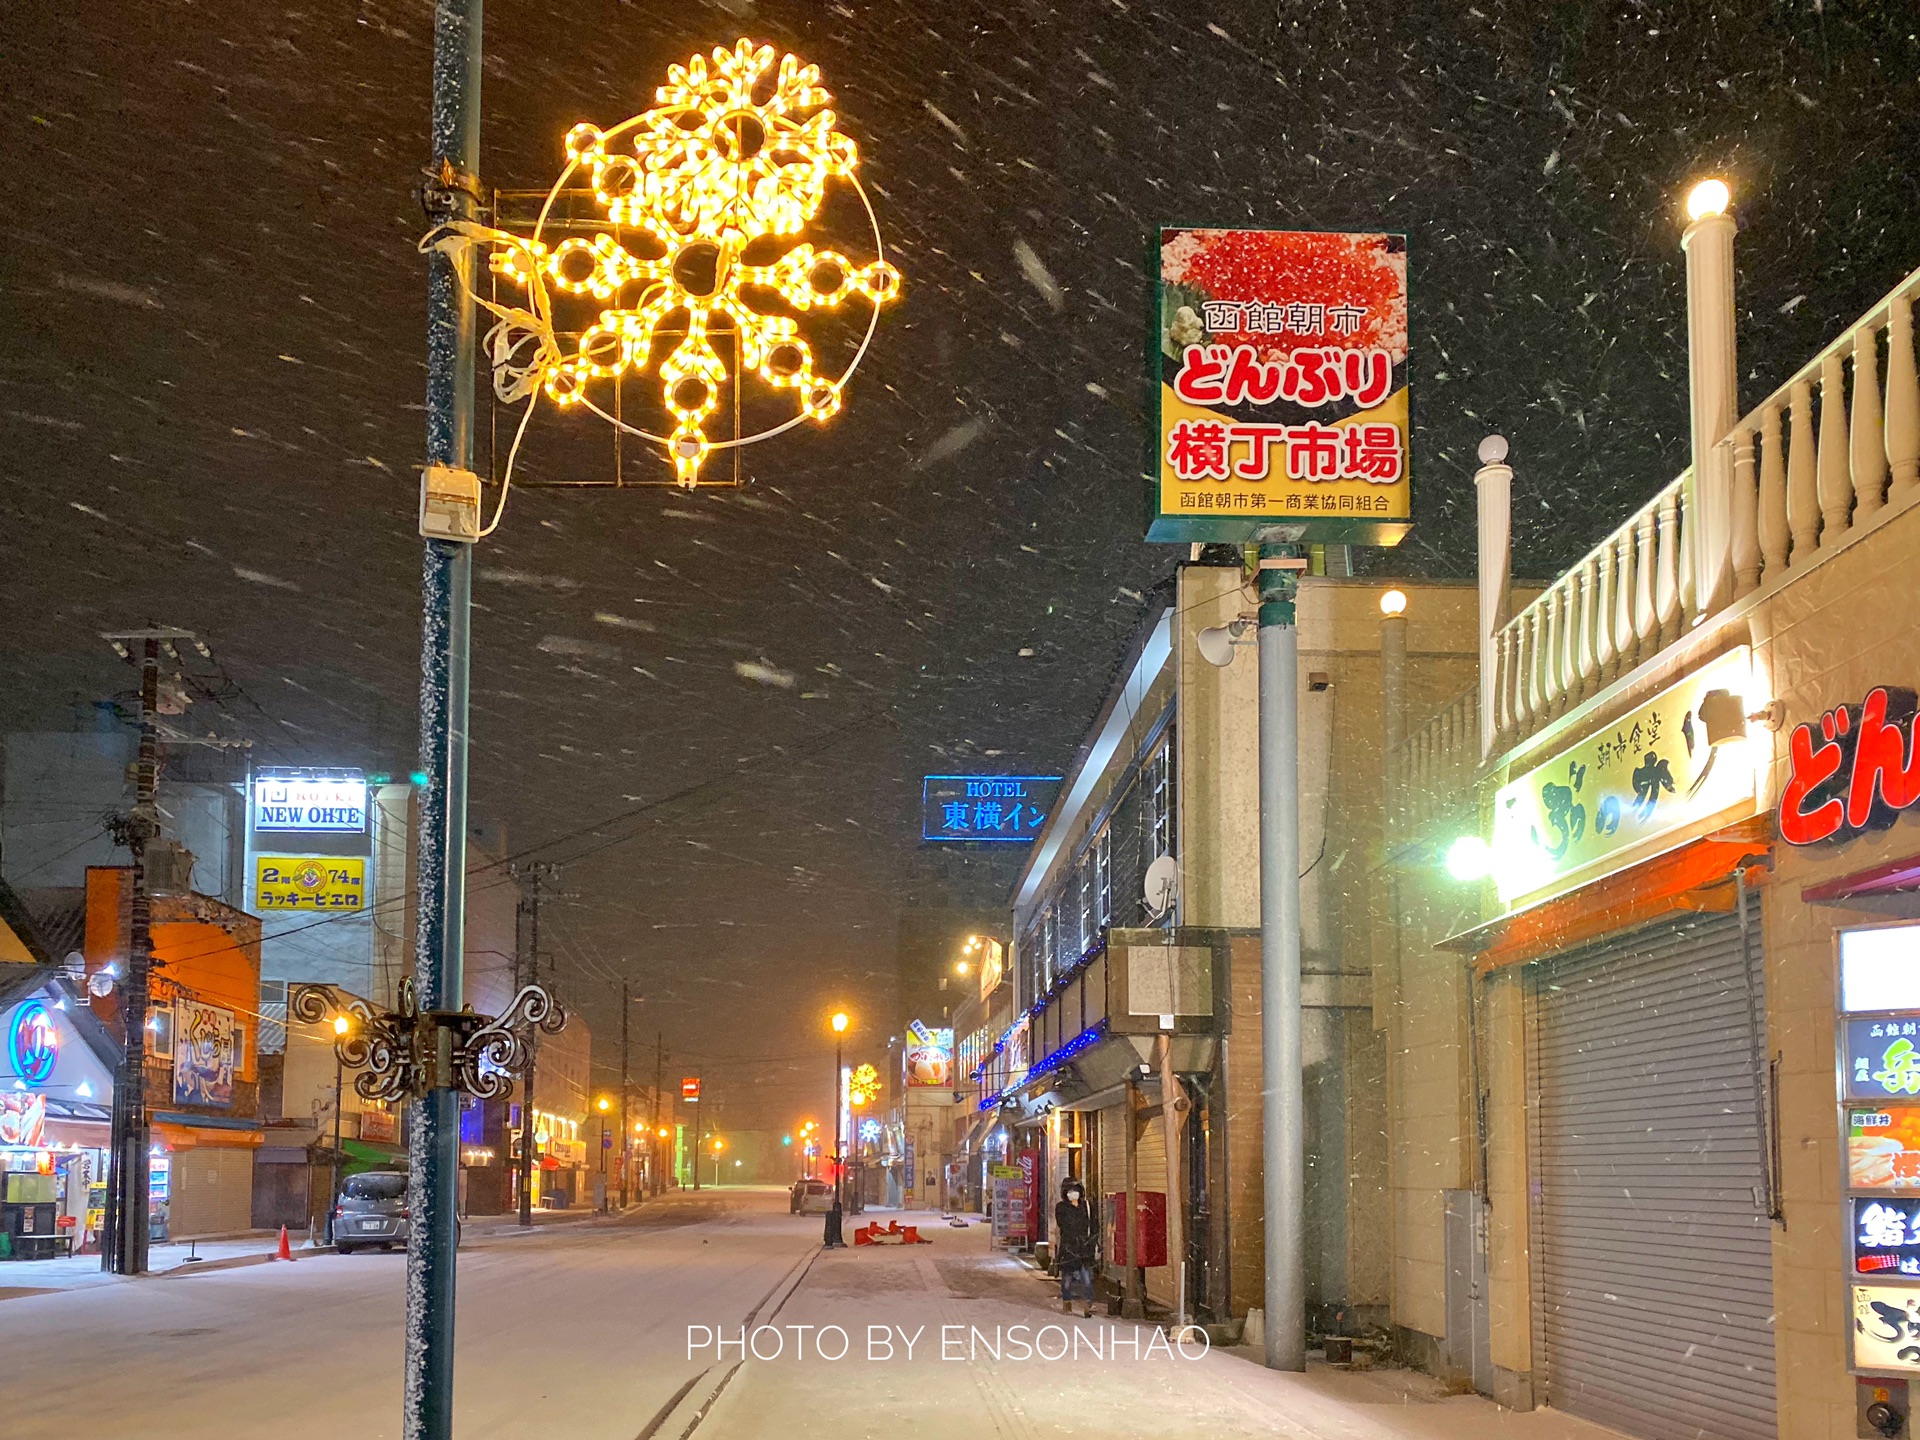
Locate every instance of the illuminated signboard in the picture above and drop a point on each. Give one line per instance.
(1676, 767)
(1886, 1328)
(33, 1045)
(985, 807)
(1281, 361)
(929, 1057)
(309, 802)
(309, 882)
(1883, 1059)
(689, 1089)
(1883, 1148)
(1886, 1237)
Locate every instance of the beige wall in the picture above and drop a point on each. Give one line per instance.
(1218, 767)
(1503, 1056)
(1824, 638)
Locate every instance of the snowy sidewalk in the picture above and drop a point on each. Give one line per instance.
(82, 1272)
(995, 1357)
(175, 1258)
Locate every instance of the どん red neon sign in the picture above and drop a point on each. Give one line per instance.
(1853, 769)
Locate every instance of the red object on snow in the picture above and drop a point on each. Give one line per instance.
(285, 1252)
(893, 1234)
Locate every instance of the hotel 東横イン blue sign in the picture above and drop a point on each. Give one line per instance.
(985, 807)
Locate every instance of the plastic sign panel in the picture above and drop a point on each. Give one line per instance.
(1886, 1328)
(33, 1044)
(23, 1119)
(1679, 765)
(309, 882)
(1281, 360)
(1883, 1059)
(1886, 1237)
(985, 807)
(205, 1054)
(993, 966)
(1880, 969)
(689, 1089)
(1883, 1148)
(929, 1057)
(1854, 769)
(300, 802)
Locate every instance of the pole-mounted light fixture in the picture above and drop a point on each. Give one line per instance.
(1709, 197)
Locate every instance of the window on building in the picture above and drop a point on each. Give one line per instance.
(1089, 903)
(1049, 953)
(1157, 780)
(1103, 878)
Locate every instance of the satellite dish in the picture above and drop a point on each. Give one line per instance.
(1162, 885)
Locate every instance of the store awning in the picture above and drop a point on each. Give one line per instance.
(362, 1155)
(1891, 888)
(1696, 877)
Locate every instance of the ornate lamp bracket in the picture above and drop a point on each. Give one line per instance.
(404, 1053)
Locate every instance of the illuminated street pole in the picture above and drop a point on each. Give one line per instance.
(832, 1238)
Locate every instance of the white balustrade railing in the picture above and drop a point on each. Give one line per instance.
(1620, 604)
(1434, 767)
(1801, 484)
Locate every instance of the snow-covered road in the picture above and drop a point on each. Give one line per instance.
(614, 1331)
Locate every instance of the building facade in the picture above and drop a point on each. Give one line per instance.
(1655, 1157)
(1128, 1052)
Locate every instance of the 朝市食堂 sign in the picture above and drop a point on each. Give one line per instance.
(1647, 782)
(1281, 370)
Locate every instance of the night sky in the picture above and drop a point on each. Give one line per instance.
(713, 709)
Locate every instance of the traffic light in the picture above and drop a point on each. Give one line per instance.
(786, 1140)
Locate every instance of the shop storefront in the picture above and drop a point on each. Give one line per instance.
(1621, 1027)
(56, 1083)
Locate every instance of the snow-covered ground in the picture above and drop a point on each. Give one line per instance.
(613, 1331)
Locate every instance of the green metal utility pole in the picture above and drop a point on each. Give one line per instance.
(446, 594)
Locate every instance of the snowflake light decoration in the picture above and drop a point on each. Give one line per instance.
(735, 154)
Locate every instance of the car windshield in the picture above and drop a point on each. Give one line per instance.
(375, 1187)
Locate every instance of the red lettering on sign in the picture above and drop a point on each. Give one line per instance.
(1808, 770)
(1851, 769)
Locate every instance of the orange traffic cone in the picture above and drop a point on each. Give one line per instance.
(285, 1252)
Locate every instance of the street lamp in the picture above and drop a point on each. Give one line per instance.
(606, 1144)
(839, 1022)
(341, 1025)
(718, 1146)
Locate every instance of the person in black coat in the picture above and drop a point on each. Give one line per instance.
(1076, 1233)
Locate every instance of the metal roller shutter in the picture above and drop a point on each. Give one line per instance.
(1656, 1245)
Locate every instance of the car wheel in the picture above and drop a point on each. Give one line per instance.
(340, 1249)
(386, 1248)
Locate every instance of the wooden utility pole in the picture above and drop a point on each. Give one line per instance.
(653, 1130)
(533, 881)
(626, 1087)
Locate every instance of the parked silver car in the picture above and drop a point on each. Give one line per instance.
(371, 1209)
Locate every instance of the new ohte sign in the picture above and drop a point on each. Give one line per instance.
(284, 803)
